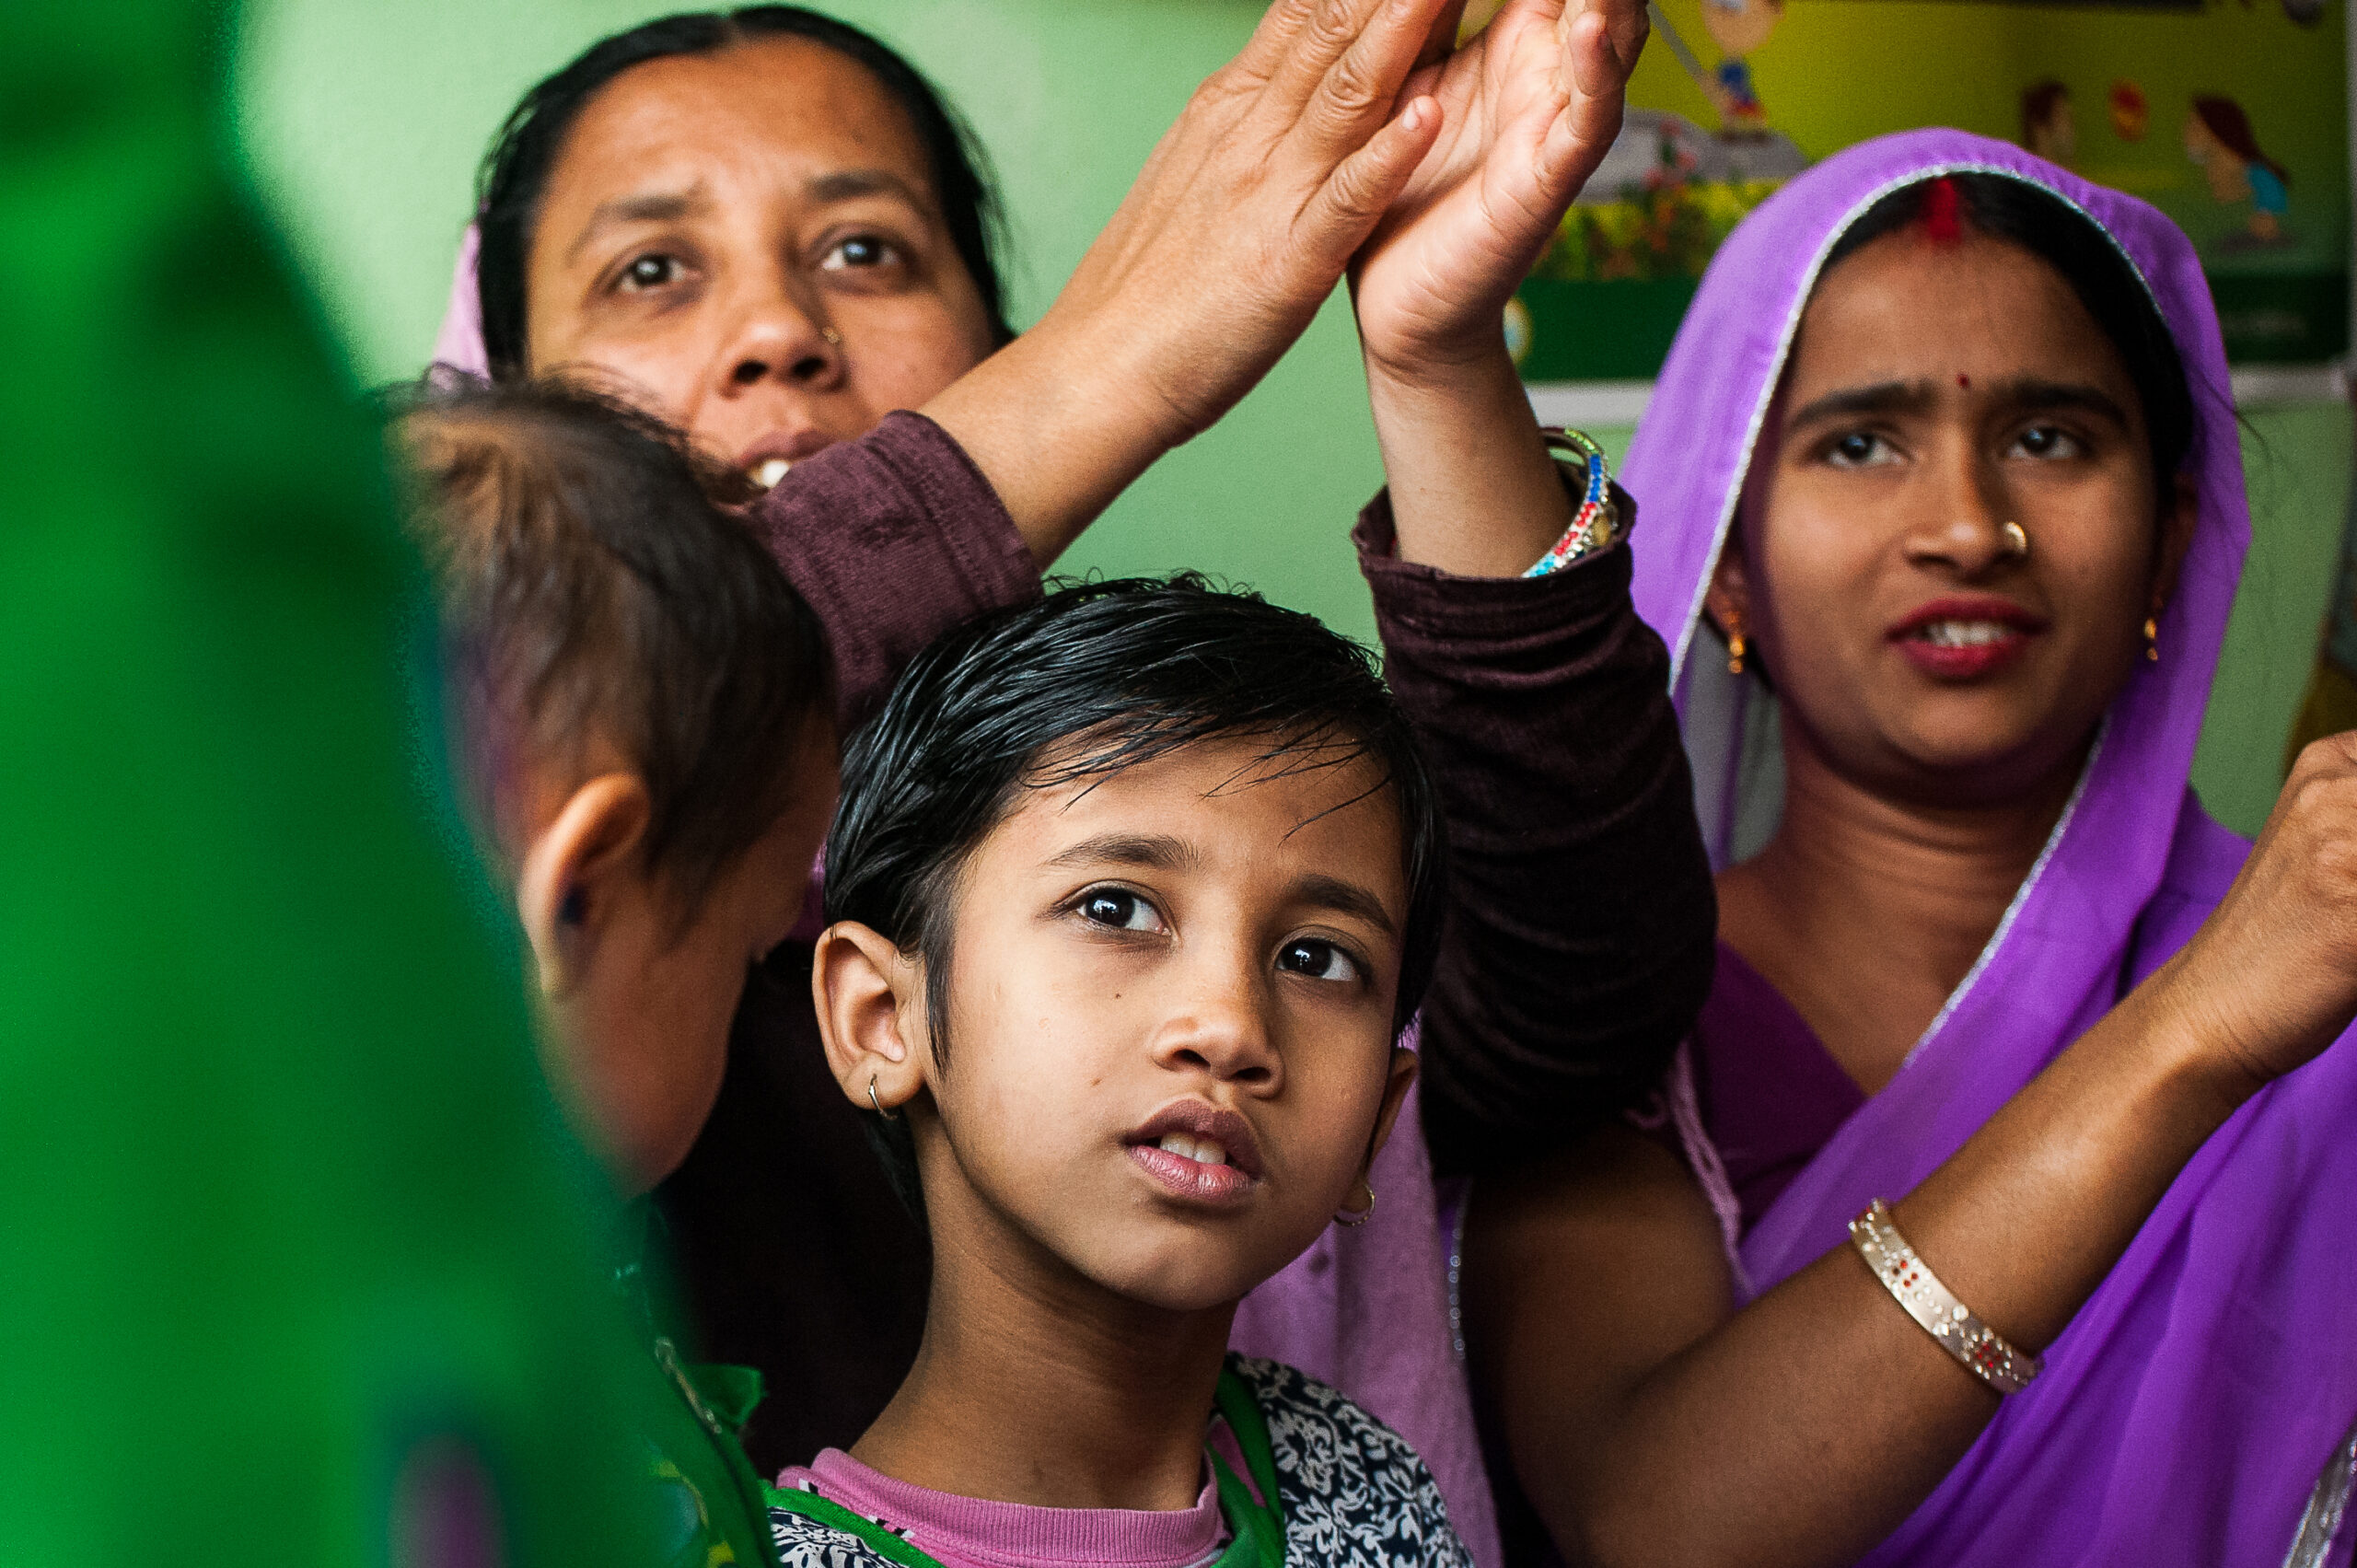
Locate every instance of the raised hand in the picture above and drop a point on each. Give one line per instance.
(1527, 111)
(1240, 226)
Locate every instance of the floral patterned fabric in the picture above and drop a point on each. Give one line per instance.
(1353, 1493)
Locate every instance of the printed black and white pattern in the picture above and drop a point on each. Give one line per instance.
(1354, 1493)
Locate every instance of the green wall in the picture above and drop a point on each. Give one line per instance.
(363, 120)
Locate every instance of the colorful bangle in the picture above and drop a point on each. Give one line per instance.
(1596, 524)
(1933, 1305)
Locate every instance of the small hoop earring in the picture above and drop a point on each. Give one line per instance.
(2016, 540)
(1353, 1218)
(1736, 647)
(886, 1115)
(2153, 639)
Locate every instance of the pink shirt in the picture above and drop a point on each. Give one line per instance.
(972, 1532)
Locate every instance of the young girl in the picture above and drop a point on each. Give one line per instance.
(1131, 895)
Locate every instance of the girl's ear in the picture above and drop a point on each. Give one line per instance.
(577, 872)
(870, 999)
(2177, 520)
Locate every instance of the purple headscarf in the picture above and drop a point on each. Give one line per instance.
(2187, 1413)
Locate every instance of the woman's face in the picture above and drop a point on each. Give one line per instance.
(1936, 393)
(749, 242)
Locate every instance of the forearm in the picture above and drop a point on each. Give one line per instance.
(1580, 934)
(1805, 1427)
(1473, 489)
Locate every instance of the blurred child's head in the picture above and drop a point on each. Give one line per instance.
(638, 696)
(1132, 893)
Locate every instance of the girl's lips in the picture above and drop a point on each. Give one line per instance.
(1189, 1181)
(1965, 638)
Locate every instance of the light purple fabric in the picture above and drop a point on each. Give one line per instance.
(2188, 1409)
(1365, 1310)
(459, 342)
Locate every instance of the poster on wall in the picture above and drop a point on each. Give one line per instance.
(2228, 115)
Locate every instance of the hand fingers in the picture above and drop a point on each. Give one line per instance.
(1441, 42)
(1360, 91)
(1363, 187)
(1267, 48)
(1596, 77)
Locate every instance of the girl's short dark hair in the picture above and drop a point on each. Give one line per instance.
(1097, 678)
(2099, 272)
(515, 172)
(593, 587)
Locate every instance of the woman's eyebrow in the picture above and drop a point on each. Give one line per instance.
(652, 206)
(2030, 394)
(843, 184)
(1883, 397)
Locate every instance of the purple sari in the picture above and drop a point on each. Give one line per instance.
(2198, 1408)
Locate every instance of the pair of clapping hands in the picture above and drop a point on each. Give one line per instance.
(1350, 136)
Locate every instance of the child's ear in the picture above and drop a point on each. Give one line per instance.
(870, 999)
(577, 872)
(1395, 1092)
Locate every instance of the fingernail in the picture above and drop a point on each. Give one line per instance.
(1414, 119)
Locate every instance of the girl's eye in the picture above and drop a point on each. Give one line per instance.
(859, 252)
(1858, 449)
(1315, 959)
(644, 272)
(2046, 441)
(1119, 909)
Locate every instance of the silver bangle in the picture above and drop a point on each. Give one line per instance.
(1980, 1348)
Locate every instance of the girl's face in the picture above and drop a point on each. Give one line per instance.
(750, 243)
(1937, 393)
(1170, 1053)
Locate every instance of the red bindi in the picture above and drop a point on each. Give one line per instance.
(1965, 381)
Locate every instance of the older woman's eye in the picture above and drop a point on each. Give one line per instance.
(1315, 959)
(2048, 441)
(1120, 909)
(1858, 449)
(644, 272)
(858, 253)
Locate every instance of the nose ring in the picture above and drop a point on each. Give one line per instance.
(2017, 540)
(834, 339)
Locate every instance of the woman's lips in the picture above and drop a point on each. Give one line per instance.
(1966, 639)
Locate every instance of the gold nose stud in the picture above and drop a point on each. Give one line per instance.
(2017, 540)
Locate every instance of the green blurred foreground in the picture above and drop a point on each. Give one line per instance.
(296, 1264)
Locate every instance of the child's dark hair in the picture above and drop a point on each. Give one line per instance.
(515, 172)
(1097, 678)
(2072, 243)
(593, 590)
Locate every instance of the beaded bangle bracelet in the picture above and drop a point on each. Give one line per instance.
(1596, 524)
(1932, 1304)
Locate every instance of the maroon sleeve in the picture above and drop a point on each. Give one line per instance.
(892, 539)
(1582, 920)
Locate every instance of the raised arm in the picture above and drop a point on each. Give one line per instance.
(1649, 1422)
(1240, 226)
(1581, 923)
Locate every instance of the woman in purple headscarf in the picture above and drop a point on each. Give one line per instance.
(1945, 455)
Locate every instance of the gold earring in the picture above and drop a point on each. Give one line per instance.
(886, 1115)
(2153, 638)
(1353, 1218)
(1735, 646)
